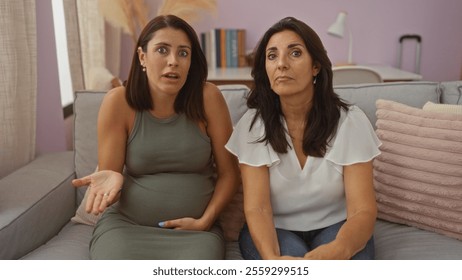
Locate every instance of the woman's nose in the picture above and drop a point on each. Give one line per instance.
(282, 62)
(172, 60)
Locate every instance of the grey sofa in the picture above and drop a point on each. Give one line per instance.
(37, 201)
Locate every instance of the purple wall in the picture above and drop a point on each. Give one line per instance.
(376, 27)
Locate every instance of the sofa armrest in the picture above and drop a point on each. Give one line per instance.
(36, 201)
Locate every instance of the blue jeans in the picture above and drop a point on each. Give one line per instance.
(298, 243)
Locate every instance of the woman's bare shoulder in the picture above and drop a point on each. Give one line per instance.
(211, 90)
(115, 106)
(213, 96)
(115, 94)
(115, 111)
(216, 109)
(115, 98)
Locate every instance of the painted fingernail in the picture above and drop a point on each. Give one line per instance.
(161, 224)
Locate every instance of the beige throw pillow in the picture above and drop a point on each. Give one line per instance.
(418, 176)
(82, 217)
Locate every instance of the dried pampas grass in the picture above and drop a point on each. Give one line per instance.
(129, 15)
(132, 15)
(189, 10)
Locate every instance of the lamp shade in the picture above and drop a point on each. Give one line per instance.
(338, 27)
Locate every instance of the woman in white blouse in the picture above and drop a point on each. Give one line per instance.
(305, 156)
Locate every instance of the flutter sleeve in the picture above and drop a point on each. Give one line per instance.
(244, 143)
(355, 140)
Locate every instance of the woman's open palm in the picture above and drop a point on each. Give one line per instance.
(104, 189)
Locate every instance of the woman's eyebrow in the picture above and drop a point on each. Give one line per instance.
(169, 45)
(162, 44)
(288, 46)
(294, 45)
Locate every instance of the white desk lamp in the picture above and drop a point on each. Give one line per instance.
(337, 29)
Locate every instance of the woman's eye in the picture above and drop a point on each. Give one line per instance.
(296, 53)
(271, 56)
(183, 53)
(162, 50)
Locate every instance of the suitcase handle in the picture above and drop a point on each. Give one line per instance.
(416, 37)
(410, 36)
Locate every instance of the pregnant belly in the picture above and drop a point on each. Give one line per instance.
(151, 199)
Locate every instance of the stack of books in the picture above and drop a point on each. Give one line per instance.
(224, 47)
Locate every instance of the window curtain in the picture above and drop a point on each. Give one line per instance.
(93, 46)
(18, 80)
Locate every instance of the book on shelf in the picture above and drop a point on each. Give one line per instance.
(224, 47)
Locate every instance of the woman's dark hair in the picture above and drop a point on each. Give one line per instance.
(323, 118)
(190, 97)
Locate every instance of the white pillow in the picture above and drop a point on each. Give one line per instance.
(443, 108)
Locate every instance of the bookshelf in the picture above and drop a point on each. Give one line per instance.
(224, 47)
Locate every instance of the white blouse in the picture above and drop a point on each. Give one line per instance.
(312, 197)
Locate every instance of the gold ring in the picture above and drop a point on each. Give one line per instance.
(106, 194)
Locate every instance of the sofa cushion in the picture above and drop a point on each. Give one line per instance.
(232, 218)
(418, 176)
(86, 108)
(236, 99)
(451, 92)
(36, 201)
(400, 242)
(414, 94)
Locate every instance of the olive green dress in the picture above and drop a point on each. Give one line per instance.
(169, 175)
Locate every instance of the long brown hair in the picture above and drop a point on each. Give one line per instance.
(190, 97)
(323, 118)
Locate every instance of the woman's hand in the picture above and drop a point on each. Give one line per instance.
(185, 224)
(104, 189)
